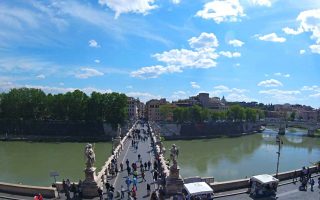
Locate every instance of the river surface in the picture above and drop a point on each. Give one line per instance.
(31, 162)
(235, 158)
(221, 158)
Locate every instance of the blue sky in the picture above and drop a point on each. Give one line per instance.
(252, 50)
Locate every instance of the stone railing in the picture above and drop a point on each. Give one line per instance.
(116, 153)
(28, 190)
(159, 153)
(244, 183)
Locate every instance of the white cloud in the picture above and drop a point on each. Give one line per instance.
(155, 71)
(194, 85)
(272, 37)
(205, 40)
(281, 96)
(86, 72)
(203, 56)
(93, 43)
(311, 88)
(270, 83)
(175, 1)
(143, 96)
(236, 43)
(231, 94)
(178, 95)
(129, 86)
(315, 48)
(309, 22)
(41, 76)
(130, 6)
(283, 75)
(222, 11)
(302, 51)
(291, 31)
(261, 2)
(317, 95)
(97, 61)
(237, 64)
(230, 54)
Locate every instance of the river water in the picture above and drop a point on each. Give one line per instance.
(235, 158)
(31, 162)
(221, 158)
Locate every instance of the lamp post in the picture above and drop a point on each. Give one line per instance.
(279, 142)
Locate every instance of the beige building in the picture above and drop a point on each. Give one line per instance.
(153, 109)
(133, 108)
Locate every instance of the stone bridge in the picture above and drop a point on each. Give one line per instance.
(282, 124)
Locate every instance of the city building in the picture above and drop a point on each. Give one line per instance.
(153, 109)
(134, 108)
(203, 100)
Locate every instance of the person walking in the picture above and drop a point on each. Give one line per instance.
(128, 183)
(129, 170)
(149, 165)
(135, 183)
(319, 182)
(143, 176)
(100, 193)
(121, 166)
(148, 189)
(155, 175)
(107, 186)
(294, 177)
(122, 192)
(145, 166)
(312, 183)
(127, 162)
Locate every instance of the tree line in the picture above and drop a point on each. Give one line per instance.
(198, 114)
(34, 104)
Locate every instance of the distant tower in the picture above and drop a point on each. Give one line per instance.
(223, 100)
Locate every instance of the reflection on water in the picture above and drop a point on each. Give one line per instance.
(31, 163)
(233, 158)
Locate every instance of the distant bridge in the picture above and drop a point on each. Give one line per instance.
(311, 126)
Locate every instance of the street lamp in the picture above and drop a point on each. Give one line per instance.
(279, 142)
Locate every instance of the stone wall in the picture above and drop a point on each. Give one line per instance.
(209, 129)
(27, 190)
(54, 128)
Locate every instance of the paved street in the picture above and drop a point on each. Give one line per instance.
(145, 150)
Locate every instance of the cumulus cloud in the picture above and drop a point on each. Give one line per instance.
(130, 6)
(231, 94)
(272, 37)
(201, 55)
(143, 96)
(309, 21)
(236, 43)
(86, 72)
(311, 88)
(270, 83)
(230, 54)
(155, 71)
(282, 96)
(205, 40)
(266, 3)
(315, 48)
(97, 61)
(179, 95)
(93, 43)
(222, 11)
(194, 85)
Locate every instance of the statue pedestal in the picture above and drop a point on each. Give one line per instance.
(90, 185)
(174, 183)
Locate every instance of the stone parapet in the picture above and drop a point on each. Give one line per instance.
(27, 190)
